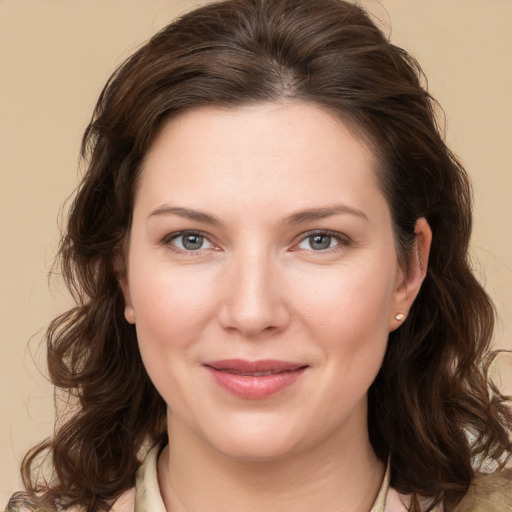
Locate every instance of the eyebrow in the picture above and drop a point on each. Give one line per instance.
(187, 213)
(295, 218)
(322, 213)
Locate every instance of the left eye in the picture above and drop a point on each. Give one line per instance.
(319, 242)
(190, 242)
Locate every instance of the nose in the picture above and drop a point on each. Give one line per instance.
(254, 302)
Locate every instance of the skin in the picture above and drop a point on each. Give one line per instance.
(258, 289)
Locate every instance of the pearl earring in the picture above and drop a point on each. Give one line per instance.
(399, 316)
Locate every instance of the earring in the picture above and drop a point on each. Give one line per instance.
(399, 317)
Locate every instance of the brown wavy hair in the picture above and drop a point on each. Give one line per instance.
(432, 393)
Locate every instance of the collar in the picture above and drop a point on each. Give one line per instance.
(148, 497)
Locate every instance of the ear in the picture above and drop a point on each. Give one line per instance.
(122, 278)
(129, 312)
(409, 280)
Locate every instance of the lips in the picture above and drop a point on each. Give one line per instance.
(254, 379)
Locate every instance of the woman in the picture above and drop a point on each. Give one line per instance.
(269, 257)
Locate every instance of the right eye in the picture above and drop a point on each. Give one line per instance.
(189, 241)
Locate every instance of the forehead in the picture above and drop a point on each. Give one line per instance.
(268, 154)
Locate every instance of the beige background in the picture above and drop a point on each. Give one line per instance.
(55, 56)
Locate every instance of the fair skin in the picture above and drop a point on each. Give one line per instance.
(260, 233)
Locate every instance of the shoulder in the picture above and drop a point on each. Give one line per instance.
(490, 492)
(487, 493)
(126, 502)
(23, 502)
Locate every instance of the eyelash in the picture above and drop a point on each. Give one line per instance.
(342, 240)
(174, 236)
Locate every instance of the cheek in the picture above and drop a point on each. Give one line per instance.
(171, 307)
(347, 314)
(172, 310)
(348, 300)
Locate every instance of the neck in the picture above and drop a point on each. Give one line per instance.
(335, 476)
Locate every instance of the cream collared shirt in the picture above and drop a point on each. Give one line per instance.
(146, 497)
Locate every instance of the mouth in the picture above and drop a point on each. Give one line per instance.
(254, 379)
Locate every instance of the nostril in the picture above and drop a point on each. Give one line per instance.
(253, 303)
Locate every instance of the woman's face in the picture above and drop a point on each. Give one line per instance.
(262, 277)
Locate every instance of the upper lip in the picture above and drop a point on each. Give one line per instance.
(254, 367)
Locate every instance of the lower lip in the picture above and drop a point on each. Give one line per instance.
(255, 387)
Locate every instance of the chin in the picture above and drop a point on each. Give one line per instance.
(257, 441)
(256, 450)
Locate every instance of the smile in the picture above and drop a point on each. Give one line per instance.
(256, 374)
(254, 379)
